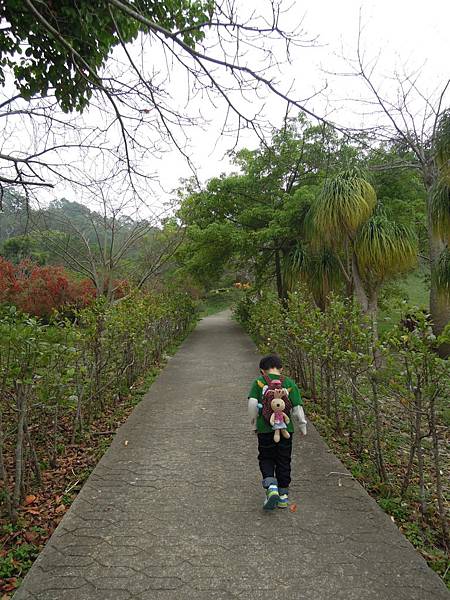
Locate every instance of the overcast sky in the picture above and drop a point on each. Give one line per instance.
(401, 35)
(404, 34)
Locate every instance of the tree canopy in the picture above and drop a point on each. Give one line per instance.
(298, 209)
(72, 56)
(65, 45)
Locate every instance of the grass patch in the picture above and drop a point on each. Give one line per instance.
(218, 300)
(414, 290)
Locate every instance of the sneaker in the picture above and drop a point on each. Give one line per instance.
(283, 501)
(272, 497)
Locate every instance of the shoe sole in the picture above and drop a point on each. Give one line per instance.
(271, 502)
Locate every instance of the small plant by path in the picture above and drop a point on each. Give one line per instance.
(44, 507)
(388, 422)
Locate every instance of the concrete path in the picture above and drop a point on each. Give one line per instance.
(173, 510)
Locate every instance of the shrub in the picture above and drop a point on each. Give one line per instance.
(39, 291)
(386, 403)
(56, 377)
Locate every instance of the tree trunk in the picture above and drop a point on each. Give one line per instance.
(437, 472)
(34, 457)
(358, 287)
(372, 311)
(412, 452)
(357, 445)
(280, 290)
(3, 473)
(439, 302)
(19, 465)
(54, 451)
(419, 450)
(379, 459)
(337, 419)
(412, 434)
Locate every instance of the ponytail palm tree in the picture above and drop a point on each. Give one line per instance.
(383, 249)
(440, 198)
(440, 208)
(346, 201)
(376, 247)
(442, 273)
(318, 269)
(439, 228)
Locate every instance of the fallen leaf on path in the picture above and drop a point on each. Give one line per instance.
(77, 462)
(293, 507)
(30, 536)
(61, 508)
(10, 584)
(30, 499)
(33, 511)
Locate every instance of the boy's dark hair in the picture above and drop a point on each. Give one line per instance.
(271, 361)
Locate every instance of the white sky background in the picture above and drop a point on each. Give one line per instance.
(405, 35)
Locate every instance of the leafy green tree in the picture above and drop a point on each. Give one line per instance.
(296, 213)
(262, 210)
(17, 249)
(418, 121)
(65, 45)
(400, 191)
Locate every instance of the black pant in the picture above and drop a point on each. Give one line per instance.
(275, 458)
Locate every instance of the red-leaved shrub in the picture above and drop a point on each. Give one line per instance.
(40, 290)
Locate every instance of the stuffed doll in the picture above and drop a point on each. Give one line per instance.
(279, 419)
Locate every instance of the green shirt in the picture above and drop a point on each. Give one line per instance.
(256, 391)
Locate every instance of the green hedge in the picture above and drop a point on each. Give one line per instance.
(55, 378)
(387, 418)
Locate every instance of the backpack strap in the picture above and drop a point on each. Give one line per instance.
(269, 381)
(266, 378)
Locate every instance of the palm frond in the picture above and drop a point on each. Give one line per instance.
(323, 275)
(442, 272)
(440, 209)
(442, 145)
(319, 270)
(385, 248)
(294, 266)
(344, 204)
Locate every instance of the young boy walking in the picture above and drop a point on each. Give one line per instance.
(274, 457)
